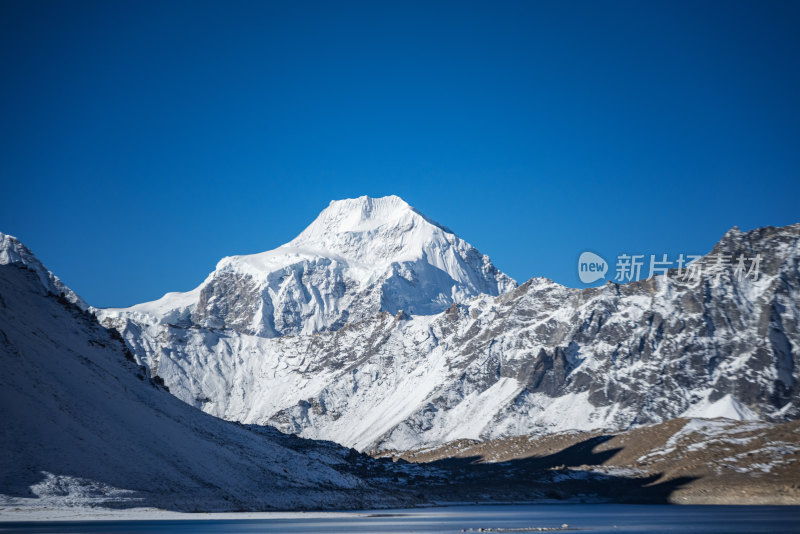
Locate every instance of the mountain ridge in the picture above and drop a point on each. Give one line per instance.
(12, 252)
(535, 359)
(86, 431)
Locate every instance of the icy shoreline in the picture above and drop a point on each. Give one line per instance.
(8, 515)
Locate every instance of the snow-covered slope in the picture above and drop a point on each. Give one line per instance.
(359, 257)
(82, 424)
(14, 252)
(537, 359)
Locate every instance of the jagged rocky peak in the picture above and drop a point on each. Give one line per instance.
(736, 243)
(359, 257)
(13, 252)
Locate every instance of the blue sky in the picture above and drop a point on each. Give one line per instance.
(143, 141)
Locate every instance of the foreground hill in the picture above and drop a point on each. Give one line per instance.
(682, 461)
(82, 424)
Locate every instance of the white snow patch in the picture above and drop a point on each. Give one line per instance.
(727, 407)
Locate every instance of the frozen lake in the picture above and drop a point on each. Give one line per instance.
(596, 518)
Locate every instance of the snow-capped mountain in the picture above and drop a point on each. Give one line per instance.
(87, 431)
(83, 425)
(359, 257)
(536, 359)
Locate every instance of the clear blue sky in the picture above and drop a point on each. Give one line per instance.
(143, 141)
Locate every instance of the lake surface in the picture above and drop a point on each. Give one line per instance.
(596, 518)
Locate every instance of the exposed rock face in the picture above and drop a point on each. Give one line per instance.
(536, 359)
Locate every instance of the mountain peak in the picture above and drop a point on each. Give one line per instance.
(374, 233)
(368, 202)
(363, 215)
(360, 256)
